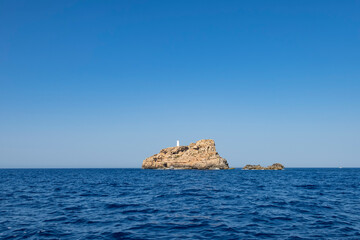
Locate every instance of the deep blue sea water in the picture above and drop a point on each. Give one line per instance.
(179, 204)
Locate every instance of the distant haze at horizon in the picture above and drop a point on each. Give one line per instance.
(108, 83)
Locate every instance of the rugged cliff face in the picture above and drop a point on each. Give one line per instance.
(199, 155)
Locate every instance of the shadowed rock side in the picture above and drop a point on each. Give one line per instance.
(200, 155)
(275, 166)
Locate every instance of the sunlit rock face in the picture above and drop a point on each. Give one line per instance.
(275, 166)
(200, 155)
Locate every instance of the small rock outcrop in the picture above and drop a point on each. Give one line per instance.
(275, 166)
(200, 155)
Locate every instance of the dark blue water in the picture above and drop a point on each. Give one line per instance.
(187, 204)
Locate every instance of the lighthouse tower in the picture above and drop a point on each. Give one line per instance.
(177, 143)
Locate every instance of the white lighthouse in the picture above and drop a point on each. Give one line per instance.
(177, 143)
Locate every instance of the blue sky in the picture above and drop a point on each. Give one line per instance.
(109, 83)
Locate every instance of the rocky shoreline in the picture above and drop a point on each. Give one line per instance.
(275, 166)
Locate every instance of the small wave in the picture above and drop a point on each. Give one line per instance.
(121, 235)
(281, 218)
(307, 186)
(73, 208)
(120, 205)
(266, 235)
(56, 219)
(148, 210)
(256, 219)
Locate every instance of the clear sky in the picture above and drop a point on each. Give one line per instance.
(109, 83)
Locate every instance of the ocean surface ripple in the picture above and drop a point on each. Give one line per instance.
(179, 204)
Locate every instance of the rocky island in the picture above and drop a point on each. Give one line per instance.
(275, 166)
(201, 155)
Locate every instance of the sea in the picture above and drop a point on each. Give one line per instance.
(313, 203)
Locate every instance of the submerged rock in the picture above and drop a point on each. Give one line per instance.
(275, 166)
(200, 155)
